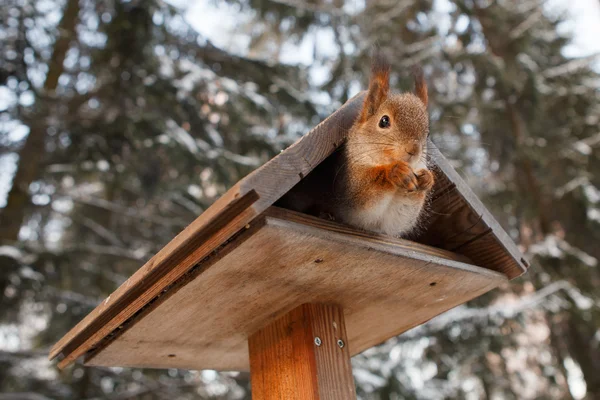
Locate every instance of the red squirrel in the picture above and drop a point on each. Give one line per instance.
(378, 179)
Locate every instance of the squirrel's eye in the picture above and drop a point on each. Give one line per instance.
(384, 122)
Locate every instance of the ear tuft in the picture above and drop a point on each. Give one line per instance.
(420, 85)
(379, 86)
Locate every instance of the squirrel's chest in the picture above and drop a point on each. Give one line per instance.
(391, 214)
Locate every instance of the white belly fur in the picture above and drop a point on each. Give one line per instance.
(394, 214)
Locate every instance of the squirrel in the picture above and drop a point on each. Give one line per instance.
(378, 179)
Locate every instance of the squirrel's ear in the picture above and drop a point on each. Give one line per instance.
(420, 85)
(379, 86)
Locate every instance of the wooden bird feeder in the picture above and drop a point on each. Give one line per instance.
(291, 297)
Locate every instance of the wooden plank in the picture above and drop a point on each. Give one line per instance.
(287, 363)
(264, 186)
(307, 223)
(459, 222)
(385, 286)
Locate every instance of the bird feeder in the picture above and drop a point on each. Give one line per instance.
(288, 296)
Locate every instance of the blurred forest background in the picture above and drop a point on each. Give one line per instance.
(121, 121)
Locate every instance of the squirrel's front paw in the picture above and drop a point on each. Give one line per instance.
(402, 175)
(425, 179)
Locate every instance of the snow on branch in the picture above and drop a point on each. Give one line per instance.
(504, 310)
(16, 254)
(127, 211)
(202, 150)
(73, 297)
(186, 203)
(101, 231)
(524, 26)
(553, 246)
(396, 11)
(570, 66)
(307, 6)
(571, 185)
(23, 396)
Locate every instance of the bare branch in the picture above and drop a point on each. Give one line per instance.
(101, 231)
(305, 6)
(23, 396)
(128, 211)
(186, 203)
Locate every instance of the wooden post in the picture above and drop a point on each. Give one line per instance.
(302, 356)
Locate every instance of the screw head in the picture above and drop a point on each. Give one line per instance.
(318, 341)
(340, 343)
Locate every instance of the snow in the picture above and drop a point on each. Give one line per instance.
(553, 246)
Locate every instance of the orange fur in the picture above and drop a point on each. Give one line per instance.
(420, 85)
(379, 179)
(391, 178)
(379, 86)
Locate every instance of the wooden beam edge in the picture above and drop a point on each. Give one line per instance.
(334, 231)
(202, 266)
(143, 279)
(479, 208)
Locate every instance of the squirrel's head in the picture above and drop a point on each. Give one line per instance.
(391, 127)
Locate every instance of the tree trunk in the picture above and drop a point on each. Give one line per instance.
(33, 150)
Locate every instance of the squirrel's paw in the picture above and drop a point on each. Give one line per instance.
(425, 179)
(402, 175)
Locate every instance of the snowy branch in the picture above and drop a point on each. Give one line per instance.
(186, 203)
(127, 211)
(73, 297)
(305, 6)
(504, 310)
(524, 26)
(553, 246)
(570, 66)
(101, 231)
(396, 11)
(23, 396)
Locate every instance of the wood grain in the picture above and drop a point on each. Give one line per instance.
(285, 362)
(385, 286)
(459, 222)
